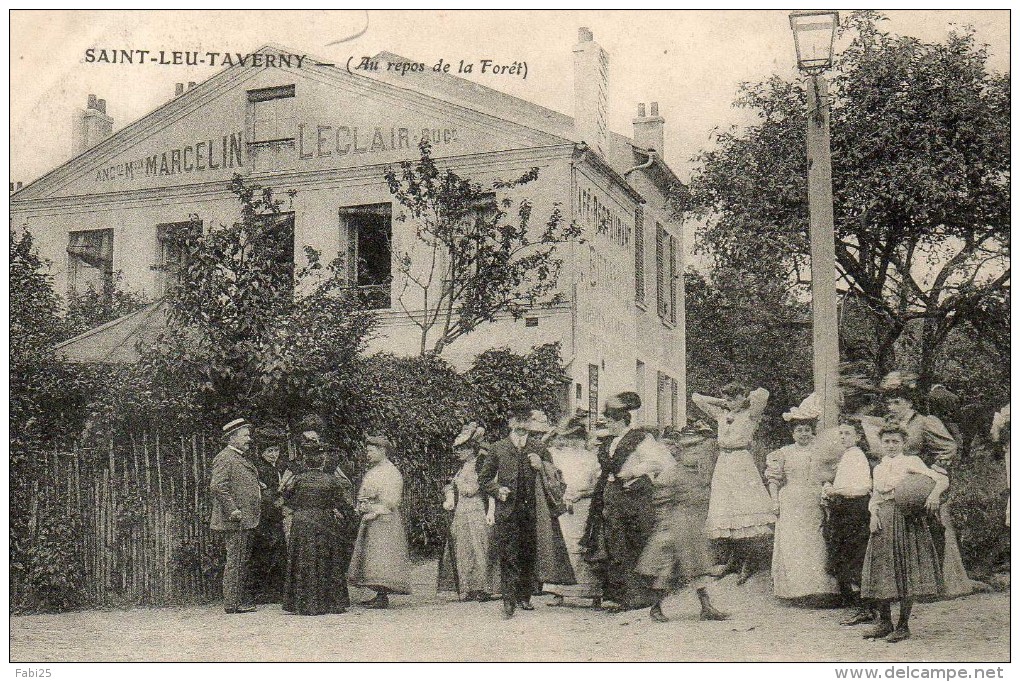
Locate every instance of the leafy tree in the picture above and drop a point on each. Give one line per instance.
(921, 163)
(91, 308)
(474, 255)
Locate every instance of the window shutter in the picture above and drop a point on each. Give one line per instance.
(639, 255)
(660, 270)
(673, 275)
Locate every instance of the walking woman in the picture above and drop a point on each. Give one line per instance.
(465, 563)
(380, 560)
(580, 469)
(901, 563)
(795, 474)
(317, 560)
(847, 521)
(678, 555)
(740, 511)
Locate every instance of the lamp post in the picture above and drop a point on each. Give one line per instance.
(814, 33)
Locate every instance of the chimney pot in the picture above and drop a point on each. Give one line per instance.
(655, 108)
(641, 110)
(92, 102)
(18, 186)
(101, 105)
(584, 35)
(178, 89)
(191, 84)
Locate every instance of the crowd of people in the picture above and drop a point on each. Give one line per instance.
(619, 516)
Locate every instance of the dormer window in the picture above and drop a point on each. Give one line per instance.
(272, 114)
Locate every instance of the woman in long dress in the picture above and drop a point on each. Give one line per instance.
(465, 560)
(901, 563)
(740, 512)
(580, 469)
(678, 554)
(317, 561)
(795, 474)
(380, 560)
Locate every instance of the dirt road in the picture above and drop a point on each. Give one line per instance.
(424, 628)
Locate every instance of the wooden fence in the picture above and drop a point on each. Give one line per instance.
(140, 512)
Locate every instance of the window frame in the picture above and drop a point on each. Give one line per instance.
(270, 94)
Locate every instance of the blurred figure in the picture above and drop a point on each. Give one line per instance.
(1000, 434)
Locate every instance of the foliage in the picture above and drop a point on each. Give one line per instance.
(474, 255)
(979, 510)
(503, 380)
(55, 564)
(91, 308)
(741, 327)
(921, 163)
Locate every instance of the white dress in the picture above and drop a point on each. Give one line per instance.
(580, 469)
(739, 506)
(799, 552)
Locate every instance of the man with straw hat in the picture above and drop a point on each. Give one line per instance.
(236, 509)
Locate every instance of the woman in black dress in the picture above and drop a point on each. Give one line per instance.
(316, 561)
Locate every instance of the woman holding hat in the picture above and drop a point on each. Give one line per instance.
(465, 563)
(795, 474)
(740, 512)
(580, 469)
(380, 560)
(316, 559)
(901, 563)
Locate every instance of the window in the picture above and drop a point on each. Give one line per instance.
(661, 248)
(673, 277)
(369, 233)
(639, 255)
(674, 400)
(272, 114)
(90, 263)
(171, 247)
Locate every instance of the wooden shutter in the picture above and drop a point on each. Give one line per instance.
(660, 270)
(639, 255)
(673, 276)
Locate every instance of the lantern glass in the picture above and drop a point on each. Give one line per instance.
(813, 35)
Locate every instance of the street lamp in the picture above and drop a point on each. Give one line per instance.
(814, 33)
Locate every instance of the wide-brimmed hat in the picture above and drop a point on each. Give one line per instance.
(378, 439)
(576, 425)
(471, 433)
(234, 425)
(627, 400)
(538, 422)
(809, 410)
(899, 384)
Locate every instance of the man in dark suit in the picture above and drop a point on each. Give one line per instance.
(510, 473)
(268, 566)
(236, 510)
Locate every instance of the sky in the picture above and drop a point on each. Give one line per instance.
(691, 62)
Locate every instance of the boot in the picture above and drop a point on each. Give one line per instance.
(596, 603)
(709, 612)
(880, 631)
(901, 633)
(381, 601)
(557, 600)
(508, 609)
(656, 613)
(746, 571)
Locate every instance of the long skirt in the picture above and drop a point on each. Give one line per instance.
(268, 563)
(380, 560)
(740, 506)
(798, 552)
(847, 532)
(901, 561)
(955, 580)
(572, 525)
(316, 563)
(465, 566)
(629, 522)
(678, 553)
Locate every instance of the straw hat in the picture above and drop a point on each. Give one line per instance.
(810, 409)
(471, 433)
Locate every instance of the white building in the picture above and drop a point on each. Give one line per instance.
(328, 134)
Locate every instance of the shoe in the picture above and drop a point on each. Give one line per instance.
(880, 631)
(380, 602)
(898, 635)
(657, 615)
(557, 600)
(596, 604)
(508, 609)
(242, 609)
(712, 613)
(526, 605)
(745, 574)
(861, 617)
(484, 597)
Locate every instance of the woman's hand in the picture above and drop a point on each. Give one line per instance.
(933, 502)
(370, 516)
(490, 516)
(535, 461)
(448, 504)
(876, 525)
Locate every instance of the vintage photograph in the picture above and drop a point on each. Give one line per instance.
(506, 336)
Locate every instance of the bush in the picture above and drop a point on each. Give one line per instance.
(979, 511)
(55, 565)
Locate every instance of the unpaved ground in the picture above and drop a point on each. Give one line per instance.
(424, 628)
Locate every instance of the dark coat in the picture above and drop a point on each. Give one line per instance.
(234, 483)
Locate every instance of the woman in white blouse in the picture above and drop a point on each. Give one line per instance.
(900, 564)
(847, 521)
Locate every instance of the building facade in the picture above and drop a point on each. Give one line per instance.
(328, 134)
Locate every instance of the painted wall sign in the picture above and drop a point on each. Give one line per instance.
(204, 155)
(318, 141)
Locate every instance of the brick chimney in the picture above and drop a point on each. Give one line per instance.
(90, 126)
(648, 130)
(591, 92)
(178, 89)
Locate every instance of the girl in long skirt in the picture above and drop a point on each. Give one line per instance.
(467, 551)
(901, 563)
(847, 521)
(677, 555)
(740, 511)
(795, 474)
(317, 559)
(380, 560)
